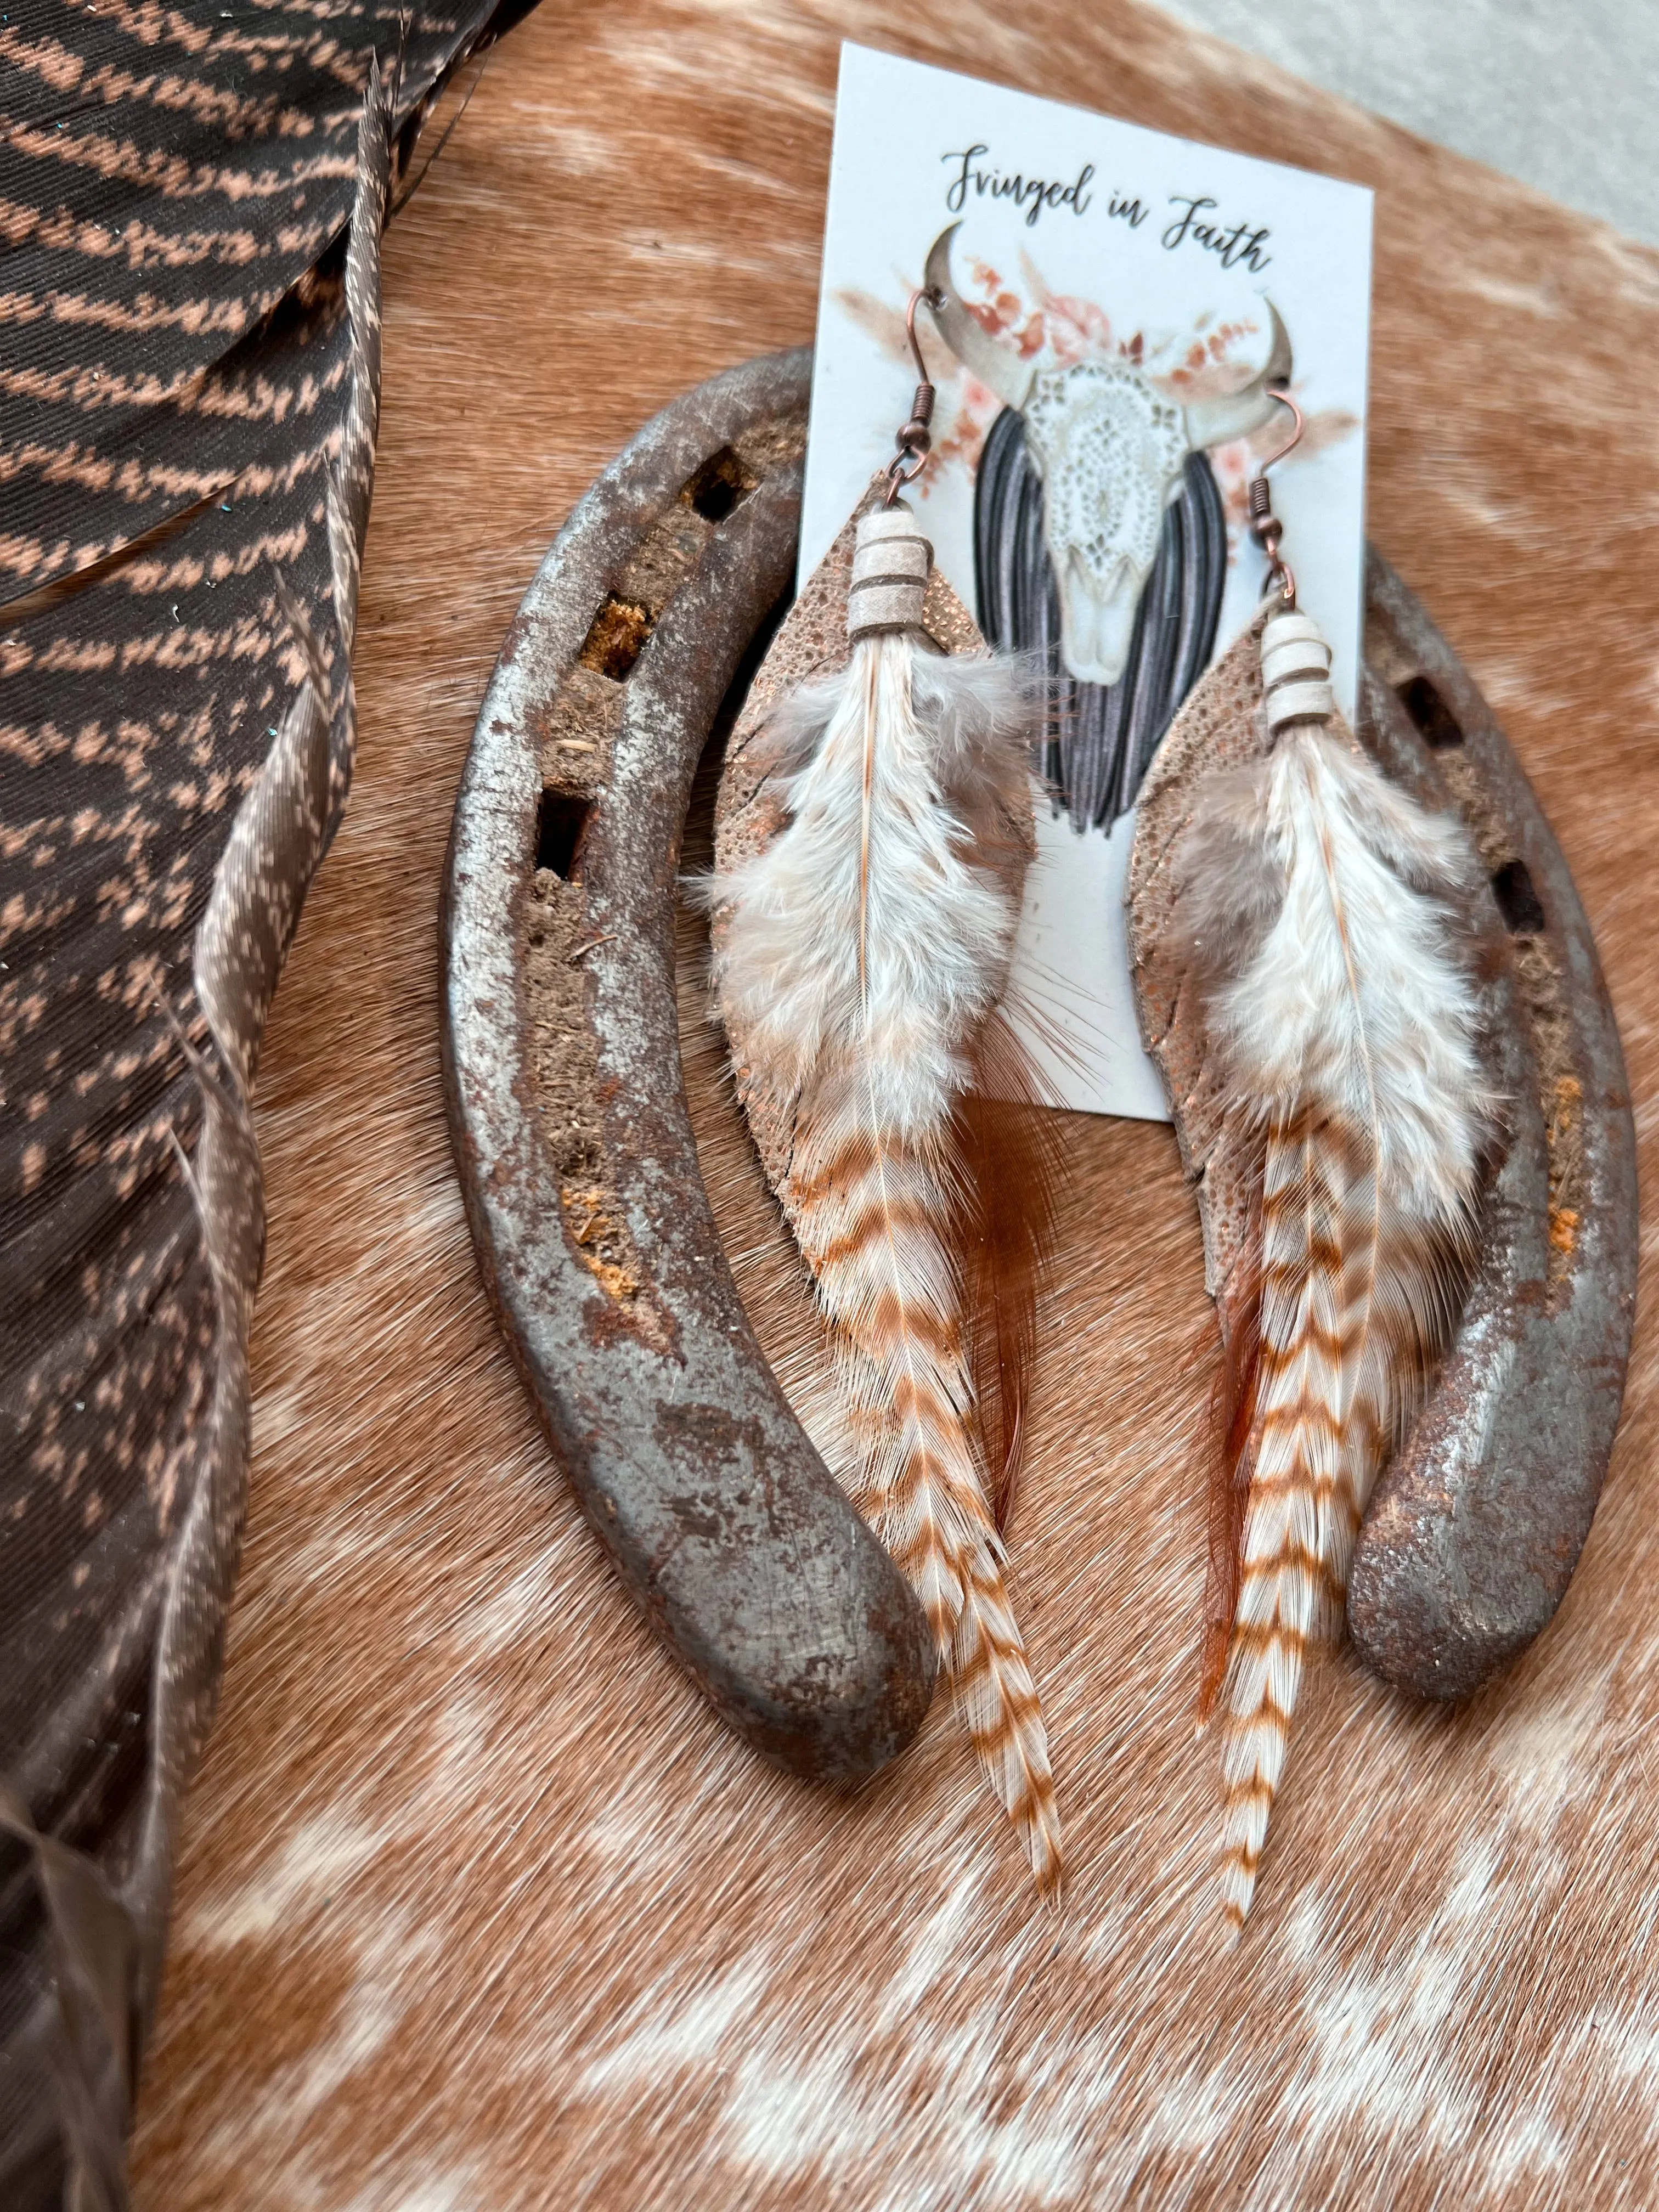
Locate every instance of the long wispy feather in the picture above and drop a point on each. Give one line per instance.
(1322, 910)
(860, 956)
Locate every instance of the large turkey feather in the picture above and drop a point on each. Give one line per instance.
(187, 417)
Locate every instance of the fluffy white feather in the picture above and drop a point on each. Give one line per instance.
(871, 924)
(1352, 1002)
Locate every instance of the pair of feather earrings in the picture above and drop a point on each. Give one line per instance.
(863, 930)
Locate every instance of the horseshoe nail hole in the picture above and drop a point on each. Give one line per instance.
(1437, 725)
(617, 637)
(718, 486)
(1517, 901)
(559, 830)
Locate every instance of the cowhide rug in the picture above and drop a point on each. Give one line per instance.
(479, 1909)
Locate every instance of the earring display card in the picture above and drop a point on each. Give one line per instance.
(1117, 306)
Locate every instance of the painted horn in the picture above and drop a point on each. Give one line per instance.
(996, 366)
(1216, 422)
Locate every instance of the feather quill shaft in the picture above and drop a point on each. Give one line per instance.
(861, 956)
(1322, 905)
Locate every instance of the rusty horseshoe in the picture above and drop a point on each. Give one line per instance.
(562, 1053)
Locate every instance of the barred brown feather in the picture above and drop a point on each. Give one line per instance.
(874, 1214)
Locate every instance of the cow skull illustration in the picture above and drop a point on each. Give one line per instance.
(1109, 446)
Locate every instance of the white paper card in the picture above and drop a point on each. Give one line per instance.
(1086, 491)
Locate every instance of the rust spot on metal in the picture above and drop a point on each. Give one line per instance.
(718, 485)
(617, 638)
(596, 1233)
(565, 1065)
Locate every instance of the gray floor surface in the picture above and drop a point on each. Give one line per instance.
(1561, 93)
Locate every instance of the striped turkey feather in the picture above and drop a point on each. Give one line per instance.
(1321, 907)
(859, 958)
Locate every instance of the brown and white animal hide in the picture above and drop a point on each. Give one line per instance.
(477, 1906)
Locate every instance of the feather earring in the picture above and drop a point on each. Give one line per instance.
(1335, 1106)
(864, 909)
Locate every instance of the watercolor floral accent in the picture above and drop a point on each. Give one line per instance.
(1206, 360)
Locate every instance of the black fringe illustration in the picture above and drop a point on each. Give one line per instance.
(1100, 739)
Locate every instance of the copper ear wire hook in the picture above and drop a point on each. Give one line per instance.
(1299, 424)
(915, 438)
(922, 292)
(1266, 528)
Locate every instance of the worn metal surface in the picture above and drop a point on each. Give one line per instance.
(1477, 1525)
(568, 1107)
